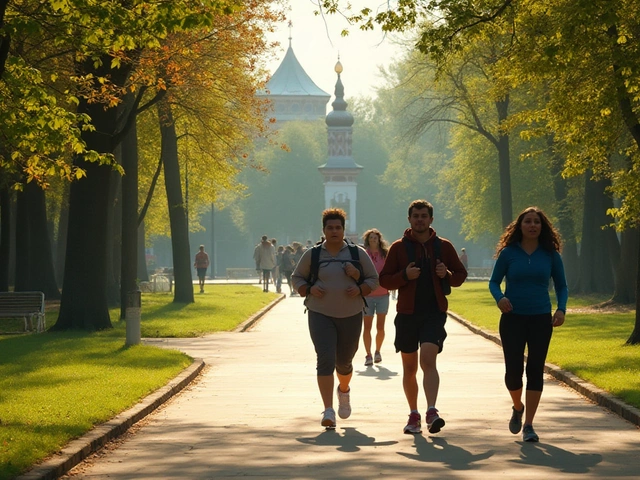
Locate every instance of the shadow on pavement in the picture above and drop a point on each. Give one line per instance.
(379, 373)
(546, 455)
(350, 441)
(438, 450)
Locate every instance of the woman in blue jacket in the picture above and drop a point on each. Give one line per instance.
(528, 256)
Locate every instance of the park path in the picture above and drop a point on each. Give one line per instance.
(255, 412)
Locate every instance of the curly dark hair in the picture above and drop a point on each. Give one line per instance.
(384, 246)
(549, 237)
(334, 214)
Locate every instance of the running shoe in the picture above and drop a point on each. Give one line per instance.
(414, 425)
(529, 434)
(515, 424)
(434, 422)
(344, 405)
(329, 418)
(368, 361)
(377, 357)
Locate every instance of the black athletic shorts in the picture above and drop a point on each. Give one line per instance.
(415, 329)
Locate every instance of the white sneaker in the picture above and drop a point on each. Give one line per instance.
(344, 404)
(329, 418)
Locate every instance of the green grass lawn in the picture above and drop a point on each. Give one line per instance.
(590, 345)
(56, 386)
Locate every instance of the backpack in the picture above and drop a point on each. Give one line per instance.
(315, 267)
(315, 263)
(411, 255)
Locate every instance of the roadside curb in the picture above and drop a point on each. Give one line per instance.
(79, 449)
(251, 321)
(593, 393)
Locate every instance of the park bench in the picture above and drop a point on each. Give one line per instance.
(241, 273)
(26, 305)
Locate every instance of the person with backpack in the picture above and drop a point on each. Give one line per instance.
(334, 277)
(422, 267)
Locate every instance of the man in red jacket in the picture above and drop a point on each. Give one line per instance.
(419, 265)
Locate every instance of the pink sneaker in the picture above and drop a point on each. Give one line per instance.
(434, 422)
(414, 424)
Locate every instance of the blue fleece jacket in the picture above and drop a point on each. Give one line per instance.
(528, 279)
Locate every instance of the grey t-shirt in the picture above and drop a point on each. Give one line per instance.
(333, 279)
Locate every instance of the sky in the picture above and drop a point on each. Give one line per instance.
(317, 42)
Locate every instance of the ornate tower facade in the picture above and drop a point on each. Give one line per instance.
(340, 171)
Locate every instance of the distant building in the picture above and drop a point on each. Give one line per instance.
(293, 95)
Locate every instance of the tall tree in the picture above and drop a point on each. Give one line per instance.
(183, 292)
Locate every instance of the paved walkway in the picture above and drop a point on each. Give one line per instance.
(255, 412)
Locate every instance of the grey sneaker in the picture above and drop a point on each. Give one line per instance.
(344, 404)
(515, 424)
(377, 357)
(329, 418)
(529, 434)
(368, 361)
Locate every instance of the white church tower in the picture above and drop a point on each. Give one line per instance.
(340, 171)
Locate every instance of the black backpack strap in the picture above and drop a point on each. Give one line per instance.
(436, 248)
(444, 282)
(411, 253)
(355, 256)
(315, 265)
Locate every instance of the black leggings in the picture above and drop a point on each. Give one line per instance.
(516, 331)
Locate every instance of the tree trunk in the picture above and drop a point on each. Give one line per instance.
(143, 273)
(39, 261)
(5, 237)
(114, 224)
(566, 224)
(634, 339)
(183, 285)
(129, 239)
(61, 244)
(504, 162)
(626, 272)
(84, 294)
(596, 272)
(23, 247)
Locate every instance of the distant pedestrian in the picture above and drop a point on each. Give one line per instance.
(334, 303)
(528, 255)
(266, 261)
(421, 275)
(287, 266)
(201, 264)
(464, 259)
(278, 269)
(274, 272)
(256, 259)
(378, 300)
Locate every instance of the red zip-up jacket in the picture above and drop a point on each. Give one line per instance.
(393, 275)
